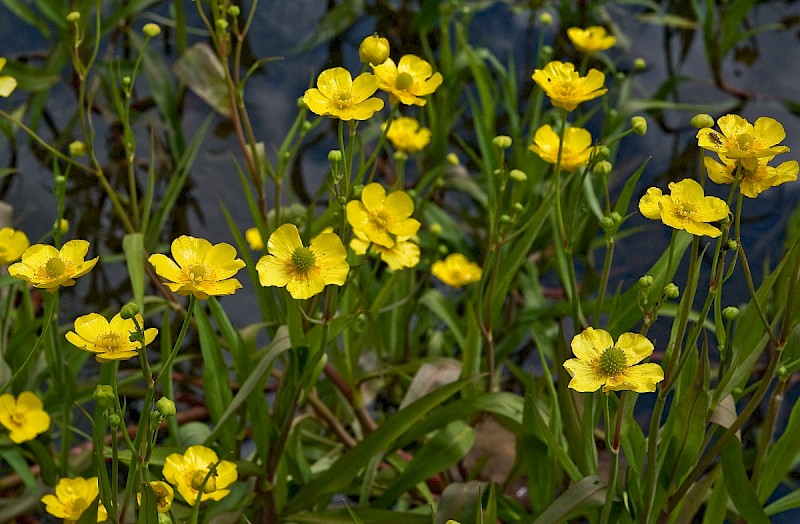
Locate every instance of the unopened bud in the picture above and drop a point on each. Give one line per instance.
(730, 313)
(782, 372)
(616, 217)
(607, 223)
(166, 407)
(126, 81)
(334, 156)
(639, 64)
(73, 17)
(733, 245)
(502, 141)
(400, 156)
(646, 281)
(374, 50)
(603, 152)
(357, 189)
(602, 168)
(151, 30)
(114, 421)
(639, 125)
(301, 103)
(518, 175)
(104, 395)
(221, 24)
(545, 18)
(702, 120)
(62, 226)
(436, 229)
(671, 290)
(505, 219)
(306, 126)
(519, 208)
(77, 148)
(233, 11)
(452, 159)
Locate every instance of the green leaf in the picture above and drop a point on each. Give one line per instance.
(445, 310)
(346, 468)
(17, 462)
(366, 515)
(588, 494)
(787, 503)
(461, 501)
(739, 488)
(780, 459)
(448, 446)
(133, 246)
(202, 72)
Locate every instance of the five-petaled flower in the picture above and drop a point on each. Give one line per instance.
(109, 340)
(575, 152)
(378, 216)
(685, 208)
(456, 270)
(751, 181)
(304, 271)
(409, 80)
(23, 417)
(164, 495)
(12, 244)
(72, 499)
(338, 95)
(199, 268)
(740, 140)
(591, 40)
(566, 87)
(403, 254)
(615, 367)
(406, 134)
(199, 474)
(7, 83)
(49, 268)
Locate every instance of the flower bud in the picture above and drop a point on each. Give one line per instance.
(603, 152)
(166, 407)
(645, 281)
(221, 24)
(519, 208)
(442, 249)
(61, 225)
(639, 64)
(730, 313)
(301, 103)
(306, 126)
(77, 148)
(374, 50)
(616, 217)
(547, 52)
(104, 395)
(400, 156)
(126, 81)
(505, 219)
(452, 159)
(639, 125)
(518, 175)
(129, 311)
(436, 229)
(334, 156)
(782, 372)
(502, 141)
(545, 18)
(234, 11)
(357, 189)
(733, 245)
(164, 518)
(151, 30)
(73, 17)
(671, 290)
(602, 168)
(702, 120)
(607, 223)
(114, 421)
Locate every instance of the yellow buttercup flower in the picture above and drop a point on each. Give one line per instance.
(406, 134)
(72, 498)
(456, 270)
(7, 83)
(409, 80)
(615, 367)
(576, 151)
(199, 268)
(23, 417)
(566, 87)
(108, 340)
(253, 237)
(685, 208)
(199, 473)
(743, 141)
(49, 268)
(751, 181)
(338, 95)
(403, 254)
(591, 40)
(379, 216)
(304, 271)
(164, 495)
(12, 244)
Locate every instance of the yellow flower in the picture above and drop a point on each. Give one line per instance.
(403, 254)
(685, 208)
(751, 181)
(575, 152)
(108, 340)
(304, 271)
(188, 473)
(199, 268)
(379, 216)
(23, 417)
(12, 244)
(7, 83)
(409, 80)
(591, 40)
(48, 268)
(565, 87)
(72, 498)
(743, 141)
(456, 270)
(338, 95)
(253, 237)
(406, 134)
(600, 362)
(164, 495)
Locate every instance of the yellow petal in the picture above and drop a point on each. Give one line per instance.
(28, 401)
(166, 267)
(188, 251)
(364, 86)
(305, 286)
(283, 242)
(687, 190)
(405, 228)
(373, 196)
(641, 379)
(333, 81)
(711, 209)
(635, 346)
(719, 173)
(222, 258)
(769, 131)
(7, 85)
(317, 102)
(584, 377)
(74, 251)
(272, 272)
(361, 111)
(590, 343)
(226, 474)
(398, 205)
(222, 287)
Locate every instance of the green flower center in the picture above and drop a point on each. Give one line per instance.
(303, 259)
(404, 81)
(55, 267)
(197, 274)
(612, 362)
(109, 341)
(197, 481)
(745, 142)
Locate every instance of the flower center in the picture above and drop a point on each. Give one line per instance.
(109, 341)
(197, 274)
(303, 260)
(404, 81)
(18, 418)
(379, 219)
(197, 481)
(612, 362)
(344, 99)
(55, 267)
(745, 142)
